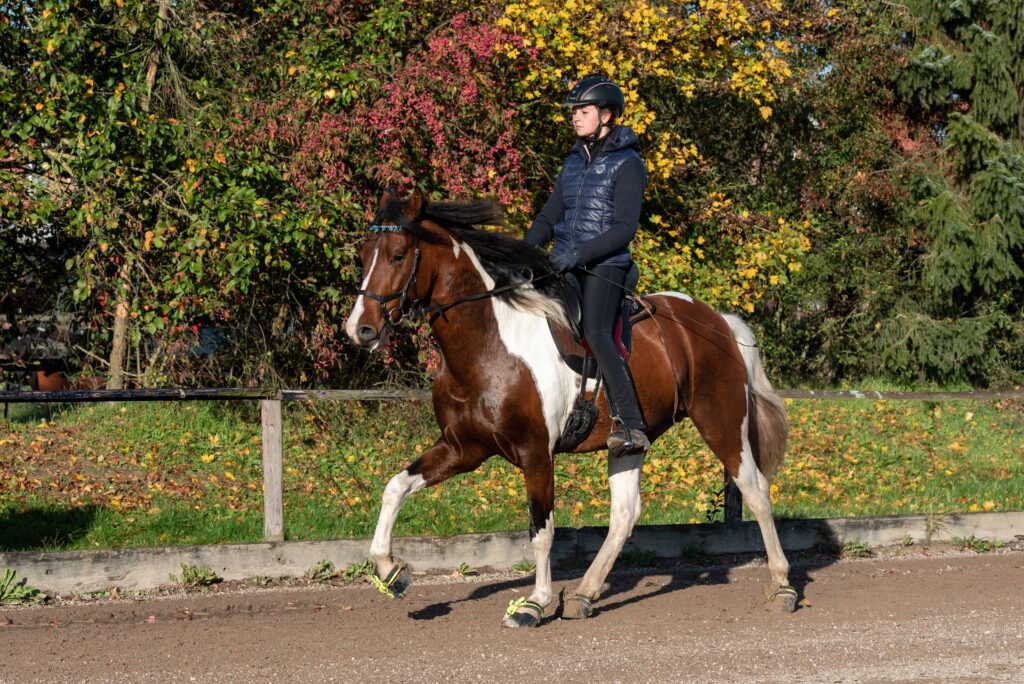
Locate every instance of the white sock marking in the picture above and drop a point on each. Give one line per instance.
(399, 488)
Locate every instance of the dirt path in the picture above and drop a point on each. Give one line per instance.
(951, 617)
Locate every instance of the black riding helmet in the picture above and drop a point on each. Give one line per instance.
(597, 90)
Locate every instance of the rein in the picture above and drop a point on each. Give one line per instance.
(434, 310)
(439, 309)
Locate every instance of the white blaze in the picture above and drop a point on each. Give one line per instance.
(352, 325)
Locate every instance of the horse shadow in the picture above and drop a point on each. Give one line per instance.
(483, 591)
(812, 545)
(37, 529)
(630, 578)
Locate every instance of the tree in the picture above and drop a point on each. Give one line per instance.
(965, 78)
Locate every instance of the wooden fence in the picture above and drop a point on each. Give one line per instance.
(272, 427)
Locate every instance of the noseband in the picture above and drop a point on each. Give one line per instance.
(402, 294)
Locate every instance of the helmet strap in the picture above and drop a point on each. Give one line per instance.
(596, 135)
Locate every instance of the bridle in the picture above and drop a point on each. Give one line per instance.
(406, 306)
(402, 295)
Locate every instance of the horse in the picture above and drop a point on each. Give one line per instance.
(503, 387)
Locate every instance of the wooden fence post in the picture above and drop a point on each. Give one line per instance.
(273, 495)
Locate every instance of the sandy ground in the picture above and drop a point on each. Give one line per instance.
(918, 616)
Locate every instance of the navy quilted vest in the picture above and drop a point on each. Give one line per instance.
(588, 191)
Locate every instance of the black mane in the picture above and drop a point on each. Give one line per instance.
(506, 258)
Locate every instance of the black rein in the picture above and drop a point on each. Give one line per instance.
(435, 310)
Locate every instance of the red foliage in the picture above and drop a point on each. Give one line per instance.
(446, 120)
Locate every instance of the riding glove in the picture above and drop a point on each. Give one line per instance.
(566, 261)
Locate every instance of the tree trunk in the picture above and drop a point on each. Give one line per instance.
(115, 379)
(120, 333)
(154, 56)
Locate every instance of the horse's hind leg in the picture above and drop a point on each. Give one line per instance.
(731, 443)
(437, 464)
(756, 494)
(624, 485)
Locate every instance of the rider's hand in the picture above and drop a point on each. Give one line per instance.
(565, 261)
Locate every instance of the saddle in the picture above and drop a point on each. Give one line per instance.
(576, 353)
(572, 344)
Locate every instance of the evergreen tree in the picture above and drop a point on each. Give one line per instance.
(965, 77)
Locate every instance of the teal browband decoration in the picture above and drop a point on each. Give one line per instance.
(385, 229)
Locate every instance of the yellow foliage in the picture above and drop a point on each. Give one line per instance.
(641, 44)
(763, 252)
(658, 51)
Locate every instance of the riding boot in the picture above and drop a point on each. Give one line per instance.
(627, 435)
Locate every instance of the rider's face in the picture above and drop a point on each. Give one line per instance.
(586, 118)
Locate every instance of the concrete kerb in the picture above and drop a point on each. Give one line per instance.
(69, 572)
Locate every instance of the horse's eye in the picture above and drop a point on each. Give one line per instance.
(398, 258)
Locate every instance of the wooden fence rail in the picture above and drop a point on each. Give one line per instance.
(272, 427)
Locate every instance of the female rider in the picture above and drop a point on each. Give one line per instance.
(592, 215)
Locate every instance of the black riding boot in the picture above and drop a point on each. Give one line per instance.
(602, 302)
(627, 435)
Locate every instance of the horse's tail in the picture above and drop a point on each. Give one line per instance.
(770, 427)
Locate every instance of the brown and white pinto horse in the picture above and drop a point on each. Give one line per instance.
(503, 387)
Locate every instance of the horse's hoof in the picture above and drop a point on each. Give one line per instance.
(783, 599)
(396, 583)
(522, 613)
(525, 619)
(577, 608)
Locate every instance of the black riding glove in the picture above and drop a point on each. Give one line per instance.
(566, 261)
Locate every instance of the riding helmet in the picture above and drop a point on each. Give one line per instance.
(597, 90)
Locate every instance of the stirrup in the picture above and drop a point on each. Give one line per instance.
(626, 440)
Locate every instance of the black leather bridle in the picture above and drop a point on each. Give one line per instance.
(405, 307)
(402, 294)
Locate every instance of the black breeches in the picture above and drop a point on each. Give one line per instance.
(602, 304)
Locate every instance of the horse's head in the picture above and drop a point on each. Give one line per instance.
(391, 264)
(429, 256)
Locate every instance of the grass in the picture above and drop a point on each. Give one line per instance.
(154, 474)
(14, 591)
(196, 576)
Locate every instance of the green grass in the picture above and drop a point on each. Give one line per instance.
(154, 474)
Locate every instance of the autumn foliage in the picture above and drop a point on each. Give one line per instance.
(212, 166)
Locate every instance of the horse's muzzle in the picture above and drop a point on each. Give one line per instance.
(368, 337)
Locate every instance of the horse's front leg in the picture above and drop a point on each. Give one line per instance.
(436, 465)
(624, 483)
(540, 493)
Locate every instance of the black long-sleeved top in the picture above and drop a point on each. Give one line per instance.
(628, 195)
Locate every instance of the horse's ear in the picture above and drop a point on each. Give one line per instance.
(385, 198)
(414, 205)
